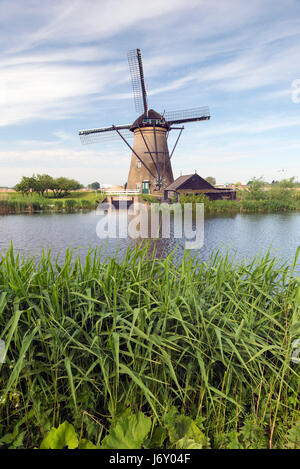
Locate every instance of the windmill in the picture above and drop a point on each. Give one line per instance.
(150, 167)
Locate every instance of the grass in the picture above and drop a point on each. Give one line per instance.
(275, 200)
(88, 340)
(13, 202)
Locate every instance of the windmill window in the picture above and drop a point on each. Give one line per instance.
(138, 187)
(139, 164)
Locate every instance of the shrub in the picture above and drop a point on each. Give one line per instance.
(70, 205)
(86, 204)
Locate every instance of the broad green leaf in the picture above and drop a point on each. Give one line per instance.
(7, 439)
(61, 437)
(188, 443)
(184, 431)
(18, 442)
(294, 437)
(128, 433)
(158, 437)
(86, 444)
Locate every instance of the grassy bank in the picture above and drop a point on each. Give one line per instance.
(272, 201)
(95, 343)
(276, 200)
(16, 203)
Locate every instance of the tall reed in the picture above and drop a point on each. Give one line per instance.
(213, 339)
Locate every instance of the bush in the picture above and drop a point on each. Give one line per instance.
(86, 204)
(194, 199)
(70, 205)
(58, 205)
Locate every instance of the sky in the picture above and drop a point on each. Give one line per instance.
(63, 67)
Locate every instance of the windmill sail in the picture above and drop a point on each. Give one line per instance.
(150, 167)
(138, 81)
(103, 134)
(187, 115)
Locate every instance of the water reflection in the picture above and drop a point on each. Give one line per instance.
(247, 235)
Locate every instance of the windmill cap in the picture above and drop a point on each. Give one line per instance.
(151, 115)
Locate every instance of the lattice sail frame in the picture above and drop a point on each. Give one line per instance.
(104, 134)
(122, 132)
(138, 82)
(187, 115)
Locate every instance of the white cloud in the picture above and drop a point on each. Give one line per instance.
(82, 165)
(67, 59)
(253, 126)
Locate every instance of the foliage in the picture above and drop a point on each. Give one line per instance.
(129, 432)
(192, 199)
(255, 200)
(151, 199)
(256, 189)
(42, 183)
(184, 433)
(65, 437)
(15, 203)
(256, 183)
(86, 204)
(94, 185)
(133, 431)
(287, 183)
(70, 205)
(211, 180)
(293, 436)
(91, 339)
(61, 437)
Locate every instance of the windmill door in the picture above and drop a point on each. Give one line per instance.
(145, 187)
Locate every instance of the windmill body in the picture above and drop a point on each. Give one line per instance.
(150, 167)
(150, 143)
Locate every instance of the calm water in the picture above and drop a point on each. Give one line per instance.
(246, 235)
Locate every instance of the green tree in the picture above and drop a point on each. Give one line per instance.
(94, 185)
(211, 180)
(28, 185)
(256, 189)
(23, 186)
(64, 186)
(44, 182)
(288, 183)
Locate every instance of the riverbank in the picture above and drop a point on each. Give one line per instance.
(273, 201)
(14, 203)
(93, 342)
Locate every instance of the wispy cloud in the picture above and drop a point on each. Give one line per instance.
(66, 59)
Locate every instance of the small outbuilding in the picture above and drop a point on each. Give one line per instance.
(195, 184)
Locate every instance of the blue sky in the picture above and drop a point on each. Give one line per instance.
(63, 67)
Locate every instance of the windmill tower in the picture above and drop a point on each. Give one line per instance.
(150, 167)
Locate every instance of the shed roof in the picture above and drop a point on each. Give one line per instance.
(183, 182)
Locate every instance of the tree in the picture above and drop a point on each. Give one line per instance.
(43, 183)
(255, 188)
(95, 186)
(211, 180)
(28, 185)
(256, 183)
(288, 183)
(64, 186)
